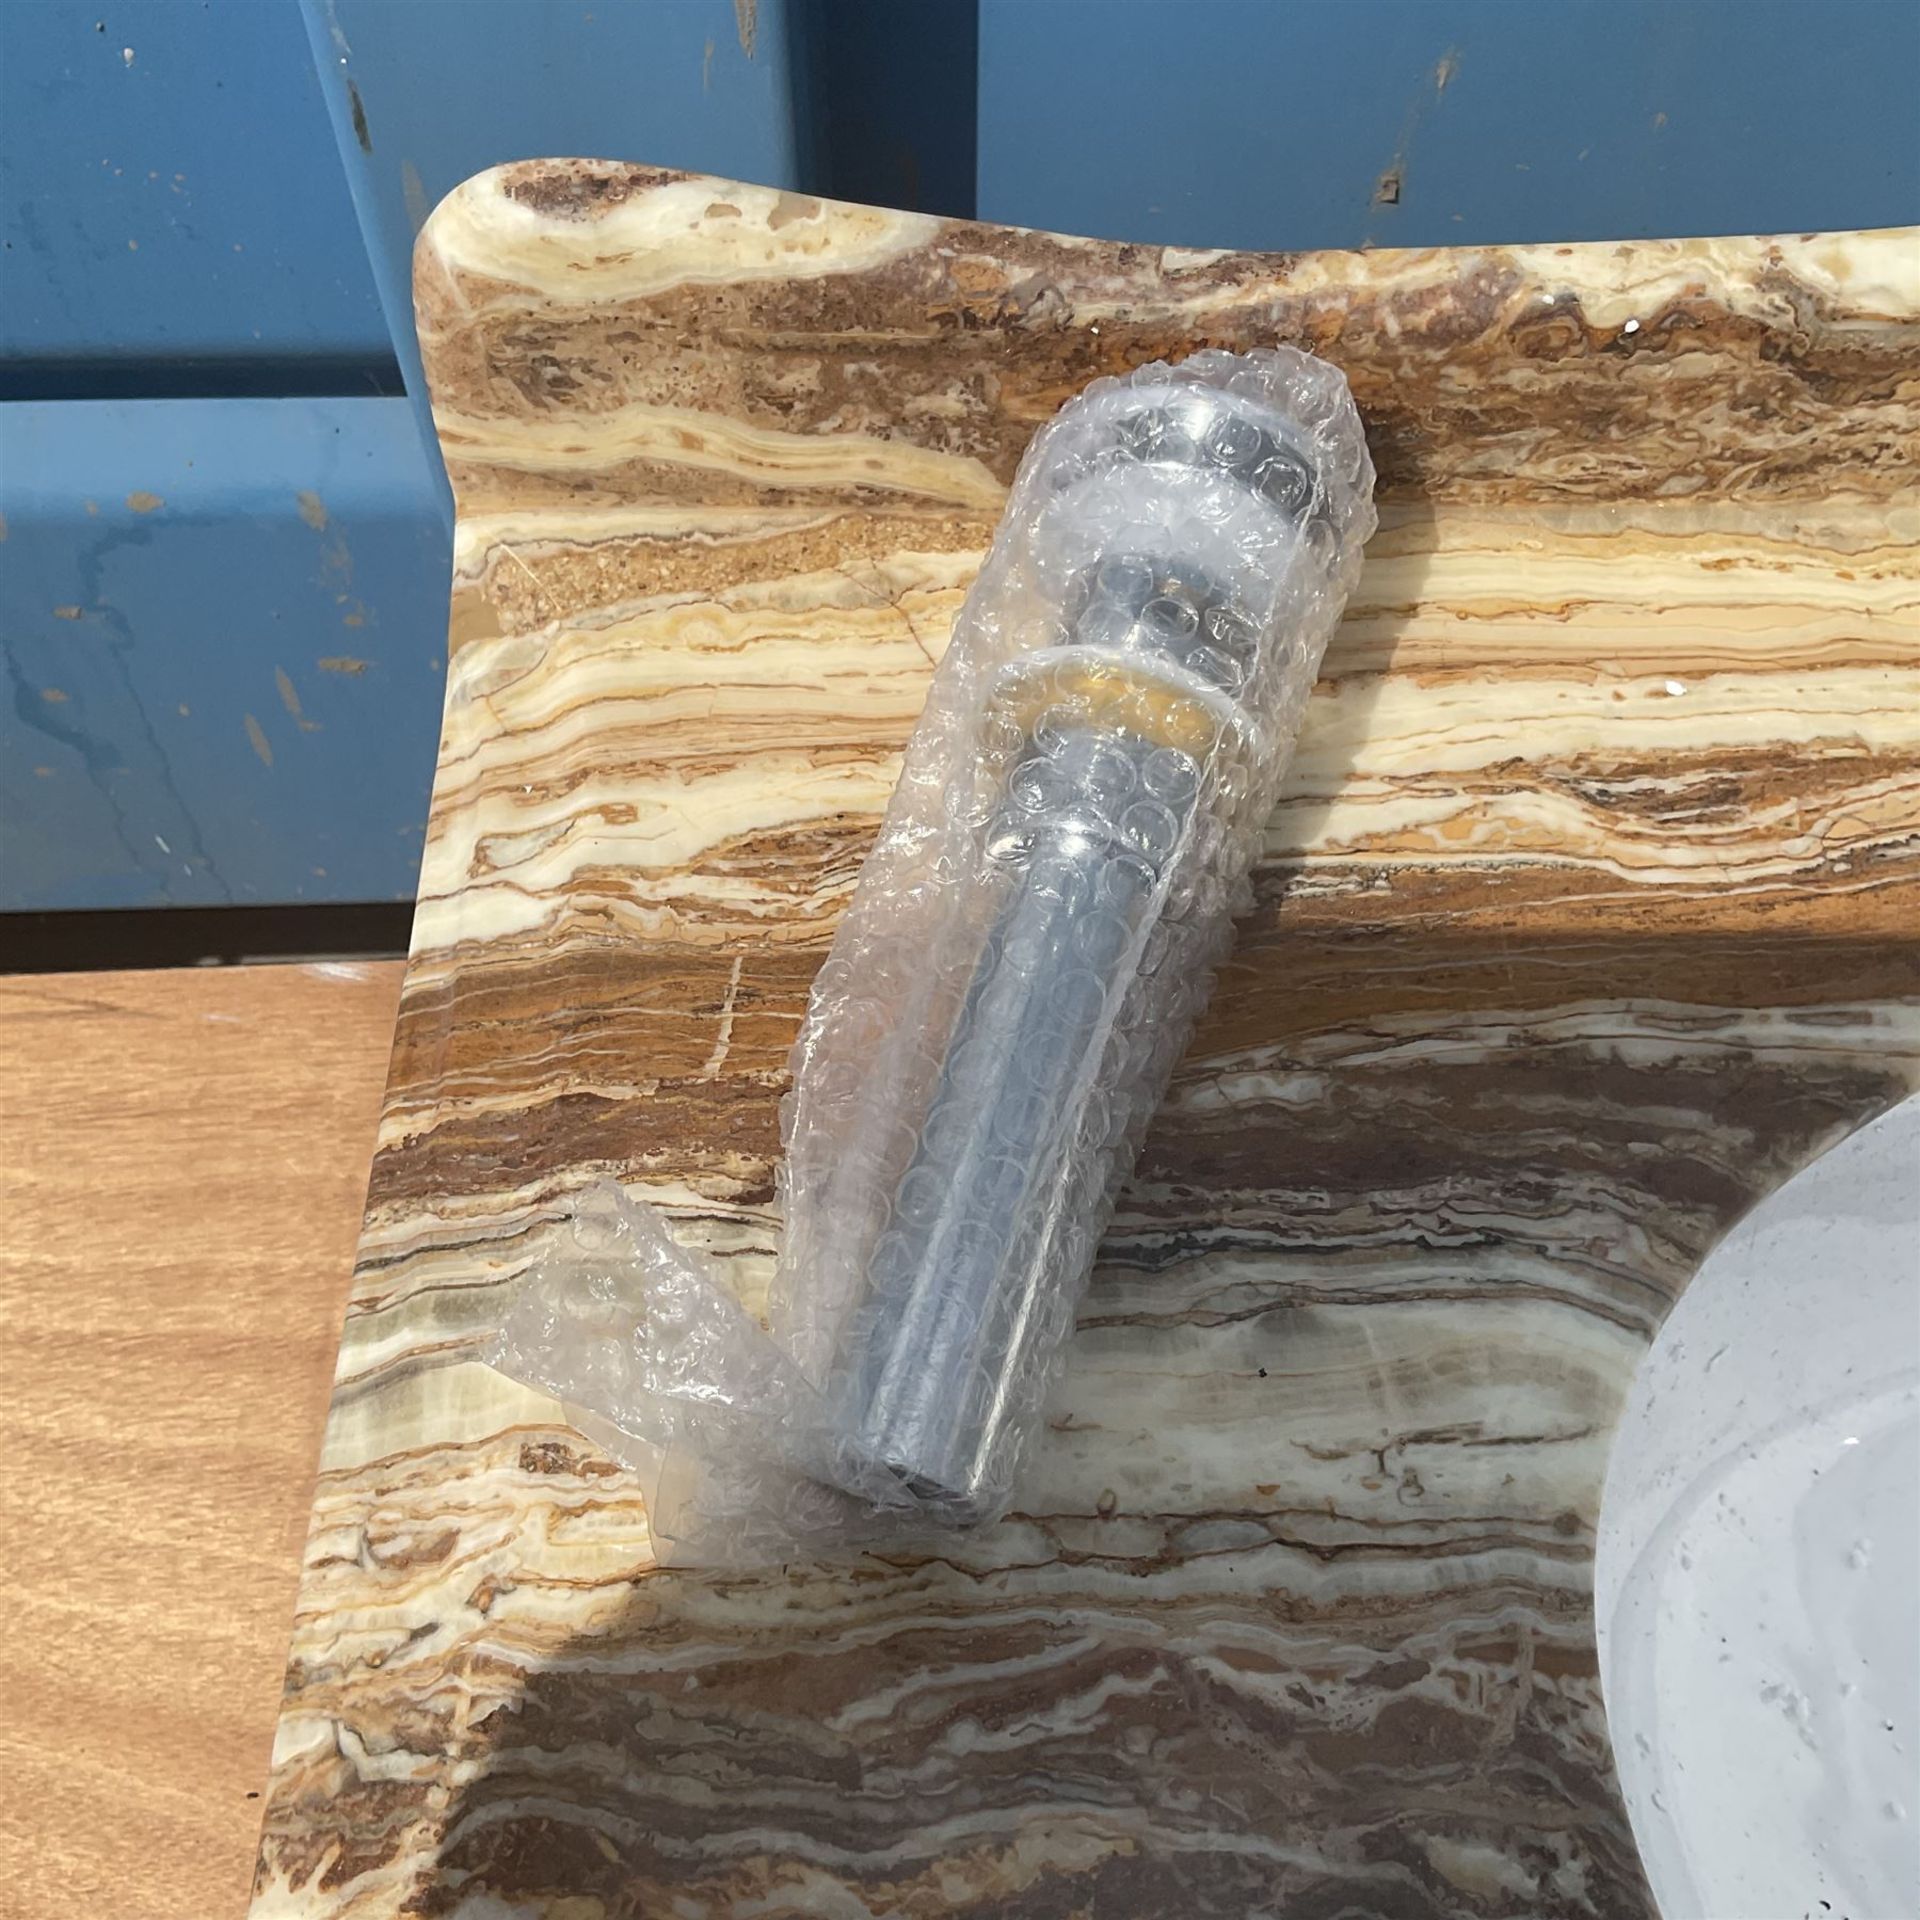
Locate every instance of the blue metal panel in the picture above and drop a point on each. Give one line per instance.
(222, 625)
(172, 191)
(189, 717)
(1274, 123)
(1294, 123)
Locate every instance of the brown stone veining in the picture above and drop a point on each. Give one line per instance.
(1589, 916)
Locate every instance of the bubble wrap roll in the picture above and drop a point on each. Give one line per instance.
(1031, 938)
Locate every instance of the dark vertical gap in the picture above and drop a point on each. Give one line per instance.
(886, 99)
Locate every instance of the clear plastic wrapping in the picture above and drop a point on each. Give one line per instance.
(1032, 936)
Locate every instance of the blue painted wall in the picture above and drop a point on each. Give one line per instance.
(208, 207)
(223, 698)
(1298, 123)
(224, 651)
(170, 195)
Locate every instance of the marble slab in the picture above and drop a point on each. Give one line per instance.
(1589, 916)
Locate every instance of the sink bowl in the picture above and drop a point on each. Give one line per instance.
(1759, 1557)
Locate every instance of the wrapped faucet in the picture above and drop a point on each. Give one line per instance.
(1032, 936)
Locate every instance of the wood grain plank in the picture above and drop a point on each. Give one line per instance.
(183, 1158)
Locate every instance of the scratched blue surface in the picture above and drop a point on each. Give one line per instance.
(233, 695)
(271, 161)
(225, 601)
(171, 191)
(1296, 123)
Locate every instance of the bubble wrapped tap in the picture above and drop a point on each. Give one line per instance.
(1032, 936)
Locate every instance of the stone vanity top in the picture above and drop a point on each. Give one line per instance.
(1590, 915)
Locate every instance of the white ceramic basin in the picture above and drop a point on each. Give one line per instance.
(1760, 1557)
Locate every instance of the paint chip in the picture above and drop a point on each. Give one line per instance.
(53, 696)
(313, 510)
(141, 501)
(66, 613)
(259, 741)
(341, 663)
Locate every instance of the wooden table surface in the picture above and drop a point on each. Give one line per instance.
(183, 1157)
